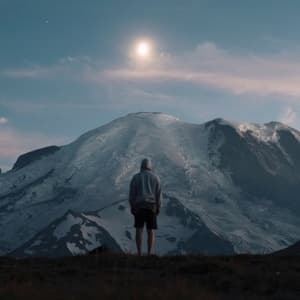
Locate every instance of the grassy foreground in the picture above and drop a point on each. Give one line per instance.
(116, 276)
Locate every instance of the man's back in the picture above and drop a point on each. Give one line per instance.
(145, 190)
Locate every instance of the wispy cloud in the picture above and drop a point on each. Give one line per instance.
(235, 83)
(206, 65)
(45, 105)
(3, 120)
(210, 66)
(31, 73)
(289, 116)
(65, 66)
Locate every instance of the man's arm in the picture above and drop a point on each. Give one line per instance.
(158, 195)
(132, 194)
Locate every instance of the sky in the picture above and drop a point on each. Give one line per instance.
(67, 66)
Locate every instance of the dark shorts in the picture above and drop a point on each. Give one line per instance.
(145, 216)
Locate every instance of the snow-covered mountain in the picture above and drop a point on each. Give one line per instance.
(227, 186)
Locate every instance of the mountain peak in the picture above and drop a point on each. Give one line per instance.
(267, 132)
(276, 125)
(154, 116)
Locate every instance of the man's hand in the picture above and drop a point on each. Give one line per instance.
(133, 210)
(157, 210)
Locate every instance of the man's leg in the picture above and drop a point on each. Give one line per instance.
(150, 240)
(138, 239)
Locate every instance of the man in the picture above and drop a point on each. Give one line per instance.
(145, 200)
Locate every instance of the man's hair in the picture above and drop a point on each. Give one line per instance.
(146, 164)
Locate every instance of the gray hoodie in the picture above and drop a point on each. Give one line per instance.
(145, 188)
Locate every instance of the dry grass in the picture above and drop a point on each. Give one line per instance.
(115, 276)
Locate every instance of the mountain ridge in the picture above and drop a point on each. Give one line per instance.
(233, 176)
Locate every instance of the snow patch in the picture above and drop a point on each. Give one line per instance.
(74, 249)
(64, 227)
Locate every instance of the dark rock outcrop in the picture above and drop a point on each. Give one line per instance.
(30, 157)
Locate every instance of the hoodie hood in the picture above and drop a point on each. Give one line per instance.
(146, 164)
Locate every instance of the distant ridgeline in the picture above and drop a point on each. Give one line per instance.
(28, 158)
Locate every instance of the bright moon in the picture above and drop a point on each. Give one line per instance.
(143, 49)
